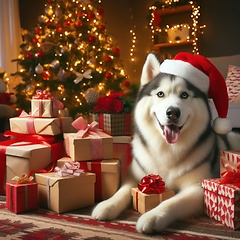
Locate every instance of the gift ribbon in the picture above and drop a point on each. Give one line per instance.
(151, 184)
(24, 178)
(69, 169)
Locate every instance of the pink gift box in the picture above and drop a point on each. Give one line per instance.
(222, 202)
(122, 150)
(230, 158)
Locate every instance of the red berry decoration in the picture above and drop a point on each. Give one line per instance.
(108, 75)
(45, 75)
(59, 28)
(102, 27)
(91, 16)
(39, 31)
(126, 84)
(100, 12)
(35, 40)
(108, 59)
(67, 23)
(91, 39)
(78, 23)
(116, 51)
(40, 54)
(28, 55)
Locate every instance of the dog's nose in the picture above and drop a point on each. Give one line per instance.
(173, 113)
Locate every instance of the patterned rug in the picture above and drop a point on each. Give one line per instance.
(44, 224)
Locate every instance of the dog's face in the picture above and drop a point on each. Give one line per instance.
(169, 104)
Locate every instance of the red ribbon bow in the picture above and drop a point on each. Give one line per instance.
(151, 184)
(85, 129)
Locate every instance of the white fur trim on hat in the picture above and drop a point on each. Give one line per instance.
(222, 125)
(186, 71)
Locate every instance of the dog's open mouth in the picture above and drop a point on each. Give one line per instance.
(171, 132)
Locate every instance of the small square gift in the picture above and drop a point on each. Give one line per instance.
(222, 199)
(229, 159)
(89, 143)
(45, 105)
(67, 189)
(21, 194)
(150, 192)
(107, 175)
(114, 114)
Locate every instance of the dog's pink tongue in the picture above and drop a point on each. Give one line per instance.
(171, 133)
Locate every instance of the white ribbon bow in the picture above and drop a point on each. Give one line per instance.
(80, 76)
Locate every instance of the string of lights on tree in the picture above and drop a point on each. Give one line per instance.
(70, 54)
(194, 29)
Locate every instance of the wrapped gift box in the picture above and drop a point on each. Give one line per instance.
(143, 202)
(222, 202)
(23, 157)
(229, 158)
(63, 194)
(42, 126)
(107, 176)
(88, 148)
(21, 197)
(122, 150)
(118, 124)
(43, 108)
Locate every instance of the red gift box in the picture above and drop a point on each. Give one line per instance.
(115, 124)
(222, 201)
(229, 158)
(122, 150)
(21, 197)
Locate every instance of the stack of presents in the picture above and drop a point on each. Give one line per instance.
(63, 165)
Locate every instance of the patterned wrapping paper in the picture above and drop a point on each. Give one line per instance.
(118, 124)
(222, 202)
(63, 194)
(21, 197)
(229, 158)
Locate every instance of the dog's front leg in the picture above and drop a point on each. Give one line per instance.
(112, 207)
(186, 203)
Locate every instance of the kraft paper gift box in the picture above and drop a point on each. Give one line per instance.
(229, 158)
(63, 194)
(143, 202)
(115, 124)
(21, 197)
(41, 126)
(88, 148)
(122, 150)
(222, 202)
(107, 176)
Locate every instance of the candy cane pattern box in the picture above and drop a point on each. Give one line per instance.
(229, 159)
(222, 202)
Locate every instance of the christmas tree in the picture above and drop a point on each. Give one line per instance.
(70, 54)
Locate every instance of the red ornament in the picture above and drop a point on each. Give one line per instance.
(126, 83)
(28, 55)
(100, 12)
(91, 39)
(78, 23)
(45, 75)
(39, 31)
(108, 59)
(91, 16)
(116, 51)
(35, 40)
(67, 23)
(108, 75)
(81, 14)
(40, 54)
(59, 28)
(102, 27)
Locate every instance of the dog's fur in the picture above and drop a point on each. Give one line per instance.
(173, 138)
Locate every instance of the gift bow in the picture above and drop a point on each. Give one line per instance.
(46, 95)
(68, 169)
(151, 184)
(24, 178)
(85, 129)
(80, 76)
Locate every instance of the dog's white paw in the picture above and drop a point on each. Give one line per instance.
(151, 222)
(105, 211)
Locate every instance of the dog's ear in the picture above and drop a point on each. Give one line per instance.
(151, 68)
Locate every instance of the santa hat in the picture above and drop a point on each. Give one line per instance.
(201, 73)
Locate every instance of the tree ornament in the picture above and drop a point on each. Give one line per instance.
(108, 75)
(39, 31)
(40, 54)
(28, 55)
(116, 51)
(62, 75)
(45, 75)
(91, 39)
(28, 47)
(108, 59)
(102, 27)
(58, 11)
(78, 23)
(91, 16)
(59, 28)
(48, 10)
(64, 49)
(35, 40)
(126, 84)
(80, 76)
(55, 64)
(91, 95)
(100, 12)
(39, 69)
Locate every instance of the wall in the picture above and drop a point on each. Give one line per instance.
(220, 38)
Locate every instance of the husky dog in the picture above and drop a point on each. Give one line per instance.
(173, 138)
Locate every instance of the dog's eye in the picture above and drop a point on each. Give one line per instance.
(184, 95)
(160, 94)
